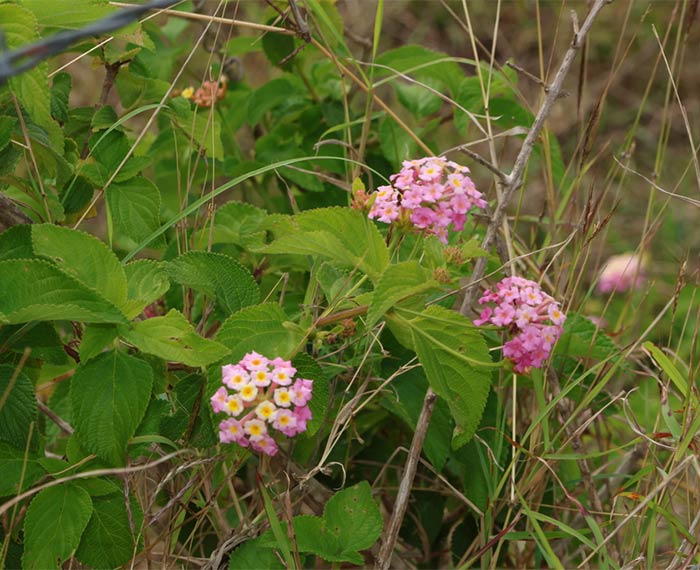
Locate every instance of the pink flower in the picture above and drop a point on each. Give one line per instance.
(267, 397)
(432, 193)
(533, 319)
(622, 273)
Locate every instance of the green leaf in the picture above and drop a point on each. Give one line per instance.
(418, 61)
(32, 86)
(395, 142)
(202, 127)
(261, 328)
(36, 290)
(134, 208)
(7, 127)
(418, 99)
(173, 338)
(272, 94)
(108, 541)
(41, 338)
(237, 223)
(15, 468)
(309, 369)
(109, 395)
(346, 236)
(581, 338)
(147, 281)
(351, 522)
(95, 266)
(455, 359)
(277, 47)
(253, 555)
(216, 275)
(68, 15)
(60, 91)
(16, 243)
(407, 403)
(55, 521)
(665, 363)
(95, 338)
(17, 407)
(398, 282)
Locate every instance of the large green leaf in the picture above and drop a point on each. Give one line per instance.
(217, 275)
(108, 541)
(263, 328)
(399, 281)
(147, 281)
(68, 15)
(351, 522)
(83, 256)
(109, 395)
(343, 235)
(36, 290)
(40, 338)
(172, 337)
(31, 87)
(456, 362)
(17, 407)
(55, 521)
(134, 208)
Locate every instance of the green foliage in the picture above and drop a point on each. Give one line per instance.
(109, 395)
(172, 337)
(351, 522)
(55, 521)
(17, 407)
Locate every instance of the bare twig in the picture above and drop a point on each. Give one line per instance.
(392, 532)
(514, 180)
(55, 418)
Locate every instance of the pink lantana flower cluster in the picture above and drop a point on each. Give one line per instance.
(622, 273)
(534, 320)
(260, 395)
(431, 193)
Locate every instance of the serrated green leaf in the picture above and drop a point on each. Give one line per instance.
(455, 359)
(354, 232)
(68, 15)
(17, 407)
(15, 468)
(147, 281)
(32, 86)
(260, 328)
(36, 290)
(272, 94)
(56, 519)
(108, 541)
(95, 266)
(217, 275)
(398, 282)
(134, 208)
(109, 395)
(173, 338)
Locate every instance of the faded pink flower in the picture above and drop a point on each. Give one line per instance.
(622, 273)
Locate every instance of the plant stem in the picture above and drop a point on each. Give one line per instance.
(409, 472)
